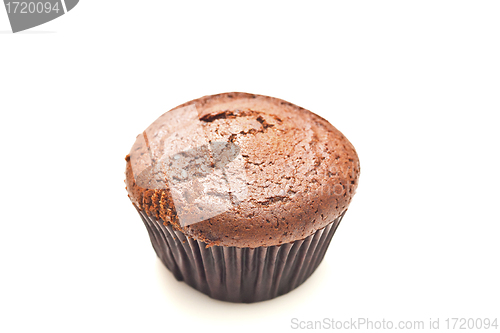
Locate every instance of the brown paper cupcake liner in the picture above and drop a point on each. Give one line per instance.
(241, 275)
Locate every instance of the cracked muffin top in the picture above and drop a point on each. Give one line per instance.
(242, 170)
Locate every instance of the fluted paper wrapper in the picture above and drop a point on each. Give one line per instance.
(241, 275)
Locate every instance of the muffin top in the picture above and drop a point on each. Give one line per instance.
(242, 170)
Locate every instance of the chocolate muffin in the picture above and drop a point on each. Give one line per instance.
(241, 193)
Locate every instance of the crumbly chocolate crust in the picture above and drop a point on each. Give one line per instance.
(300, 172)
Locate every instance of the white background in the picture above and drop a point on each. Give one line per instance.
(413, 85)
